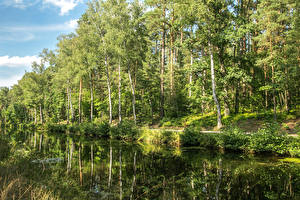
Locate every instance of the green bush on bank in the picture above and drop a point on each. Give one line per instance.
(126, 130)
(159, 137)
(268, 139)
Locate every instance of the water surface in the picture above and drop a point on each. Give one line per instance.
(78, 168)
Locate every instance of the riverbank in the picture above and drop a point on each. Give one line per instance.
(247, 133)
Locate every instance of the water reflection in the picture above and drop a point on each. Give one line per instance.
(99, 169)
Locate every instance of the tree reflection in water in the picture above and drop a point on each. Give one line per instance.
(99, 169)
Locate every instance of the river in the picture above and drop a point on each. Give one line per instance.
(74, 167)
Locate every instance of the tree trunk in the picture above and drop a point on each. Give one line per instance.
(80, 98)
(92, 96)
(191, 76)
(41, 142)
(41, 114)
(273, 80)
(237, 97)
(133, 95)
(119, 88)
(171, 66)
(214, 87)
(109, 91)
(274, 97)
(71, 105)
(162, 70)
(35, 119)
(68, 106)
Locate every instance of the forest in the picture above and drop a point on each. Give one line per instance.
(153, 60)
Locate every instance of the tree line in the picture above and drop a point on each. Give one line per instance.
(155, 59)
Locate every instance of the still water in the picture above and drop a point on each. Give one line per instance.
(77, 168)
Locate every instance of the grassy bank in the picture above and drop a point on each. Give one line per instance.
(248, 132)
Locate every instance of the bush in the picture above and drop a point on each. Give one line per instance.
(56, 128)
(125, 130)
(73, 128)
(91, 129)
(4, 149)
(267, 139)
(234, 139)
(190, 137)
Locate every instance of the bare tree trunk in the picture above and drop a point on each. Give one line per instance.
(80, 98)
(172, 65)
(68, 155)
(68, 106)
(35, 138)
(35, 119)
(41, 114)
(133, 95)
(237, 102)
(191, 76)
(214, 87)
(109, 91)
(92, 97)
(162, 70)
(71, 106)
(120, 84)
(41, 142)
(274, 94)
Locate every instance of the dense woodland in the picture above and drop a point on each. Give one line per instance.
(155, 59)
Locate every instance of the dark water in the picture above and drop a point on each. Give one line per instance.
(76, 168)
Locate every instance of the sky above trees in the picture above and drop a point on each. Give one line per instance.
(27, 27)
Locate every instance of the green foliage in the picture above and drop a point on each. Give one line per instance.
(4, 149)
(95, 130)
(235, 139)
(126, 130)
(160, 137)
(56, 128)
(267, 139)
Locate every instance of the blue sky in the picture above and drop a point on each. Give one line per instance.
(29, 26)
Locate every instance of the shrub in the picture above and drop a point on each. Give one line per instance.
(190, 137)
(73, 128)
(4, 149)
(234, 139)
(125, 130)
(56, 128)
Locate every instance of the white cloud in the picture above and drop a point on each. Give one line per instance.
(22, 4)
(67, 26)
(64, 5)
(72, 24)
(27, 33)
(16, 61)
(10, 81)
